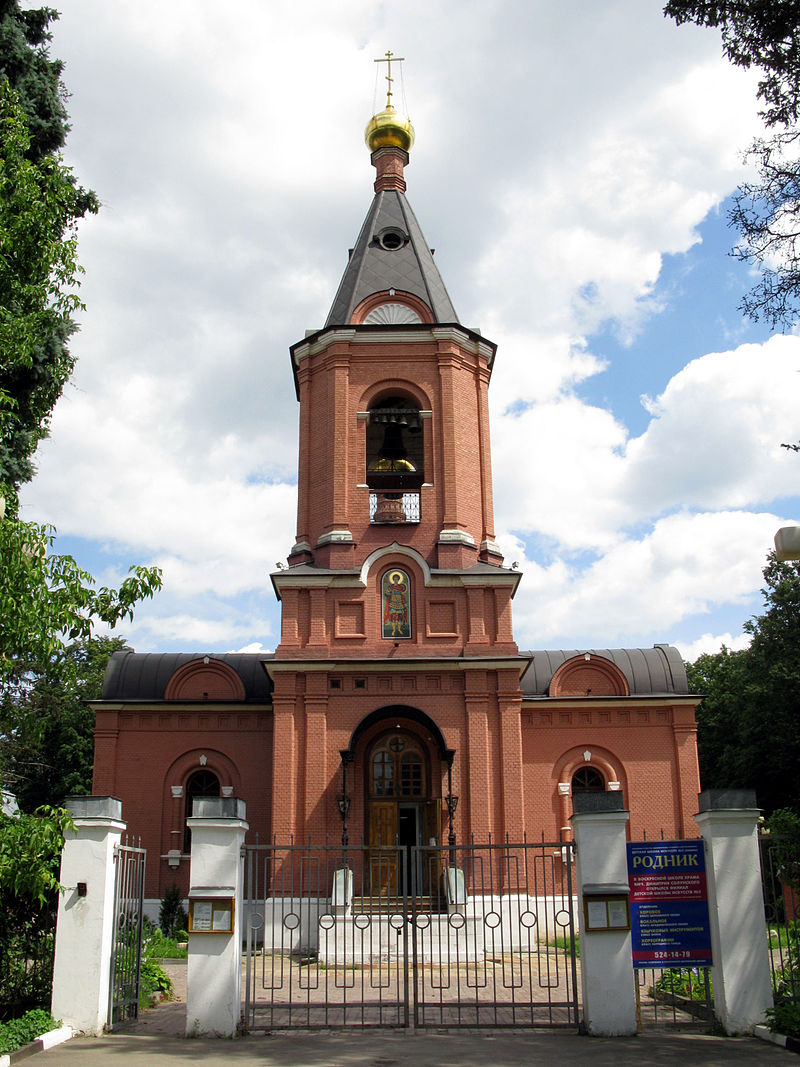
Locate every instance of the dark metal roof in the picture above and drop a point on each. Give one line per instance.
(311, 568)
(656, 671)
(145, 675)
(373, 269)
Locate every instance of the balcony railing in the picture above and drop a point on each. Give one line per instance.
(393, 508)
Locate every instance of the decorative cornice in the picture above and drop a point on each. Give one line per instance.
(335, 537)
(374, 666)
(456, 537)
(654, 700)
(317, 341)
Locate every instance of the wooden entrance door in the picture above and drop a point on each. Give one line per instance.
(383, 848)
(399, 808)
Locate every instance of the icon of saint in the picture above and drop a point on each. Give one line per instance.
(396, 616)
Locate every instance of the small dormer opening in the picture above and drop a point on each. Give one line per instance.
(390, 238)
(395, 460)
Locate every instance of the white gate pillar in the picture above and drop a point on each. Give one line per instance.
(728, 821)
(85, 924)
(607, 981)
(214, 967)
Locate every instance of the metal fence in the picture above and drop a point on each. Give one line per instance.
(472, 936)
(674, 997)
(780, 878)
(126, 953)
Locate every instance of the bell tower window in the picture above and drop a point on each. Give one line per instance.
(395, 463)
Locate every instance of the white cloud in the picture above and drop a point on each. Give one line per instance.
(713, 442)
(716, 432)
(711, 644)
(196, 632)
(563, 151)
(685, 566)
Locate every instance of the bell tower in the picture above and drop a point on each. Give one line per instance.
(395, 584)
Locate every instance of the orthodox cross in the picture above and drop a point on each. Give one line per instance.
(388, 60)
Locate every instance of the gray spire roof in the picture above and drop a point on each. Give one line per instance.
(374, 268)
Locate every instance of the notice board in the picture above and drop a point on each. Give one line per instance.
(669, 904)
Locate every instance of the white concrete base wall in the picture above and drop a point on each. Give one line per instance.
(607, 980)
(741, 973)
(486, 925)
(214, 966)
(85, 925)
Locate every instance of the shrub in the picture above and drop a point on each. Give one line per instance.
(154, 980)
(785, 1019)
(686, 982)
(171, 916)
(30, 852)
(18, 1032)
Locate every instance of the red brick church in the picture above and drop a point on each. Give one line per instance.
(397, 706)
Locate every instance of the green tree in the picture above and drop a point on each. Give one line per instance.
(749, 724)
(26, 63)
(33, 376)
(764, 34)
(721, 676)
(756, 33)
(771, 720)
(30, 853)
(45, 599)
(46, 727)
(39, 276)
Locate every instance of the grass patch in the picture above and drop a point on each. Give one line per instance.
(562, 942)
(158, 947)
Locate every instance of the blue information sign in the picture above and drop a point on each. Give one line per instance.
(669, 904)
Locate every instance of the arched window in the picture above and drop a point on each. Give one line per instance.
(588, 780)
(202, 783)
(397, 769)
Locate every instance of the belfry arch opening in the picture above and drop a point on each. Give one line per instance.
(395, 460)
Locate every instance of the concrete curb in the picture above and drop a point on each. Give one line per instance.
(791, 1044)
(45, 1041)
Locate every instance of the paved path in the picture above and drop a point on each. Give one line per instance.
(156, 1040)
(384, 1048)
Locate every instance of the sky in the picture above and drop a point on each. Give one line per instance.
(573, 166)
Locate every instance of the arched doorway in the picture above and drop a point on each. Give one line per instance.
(403, 809)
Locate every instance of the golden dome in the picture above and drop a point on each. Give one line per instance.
(389, 129)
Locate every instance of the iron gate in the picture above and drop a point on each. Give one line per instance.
(126, 952)
(473, 936)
